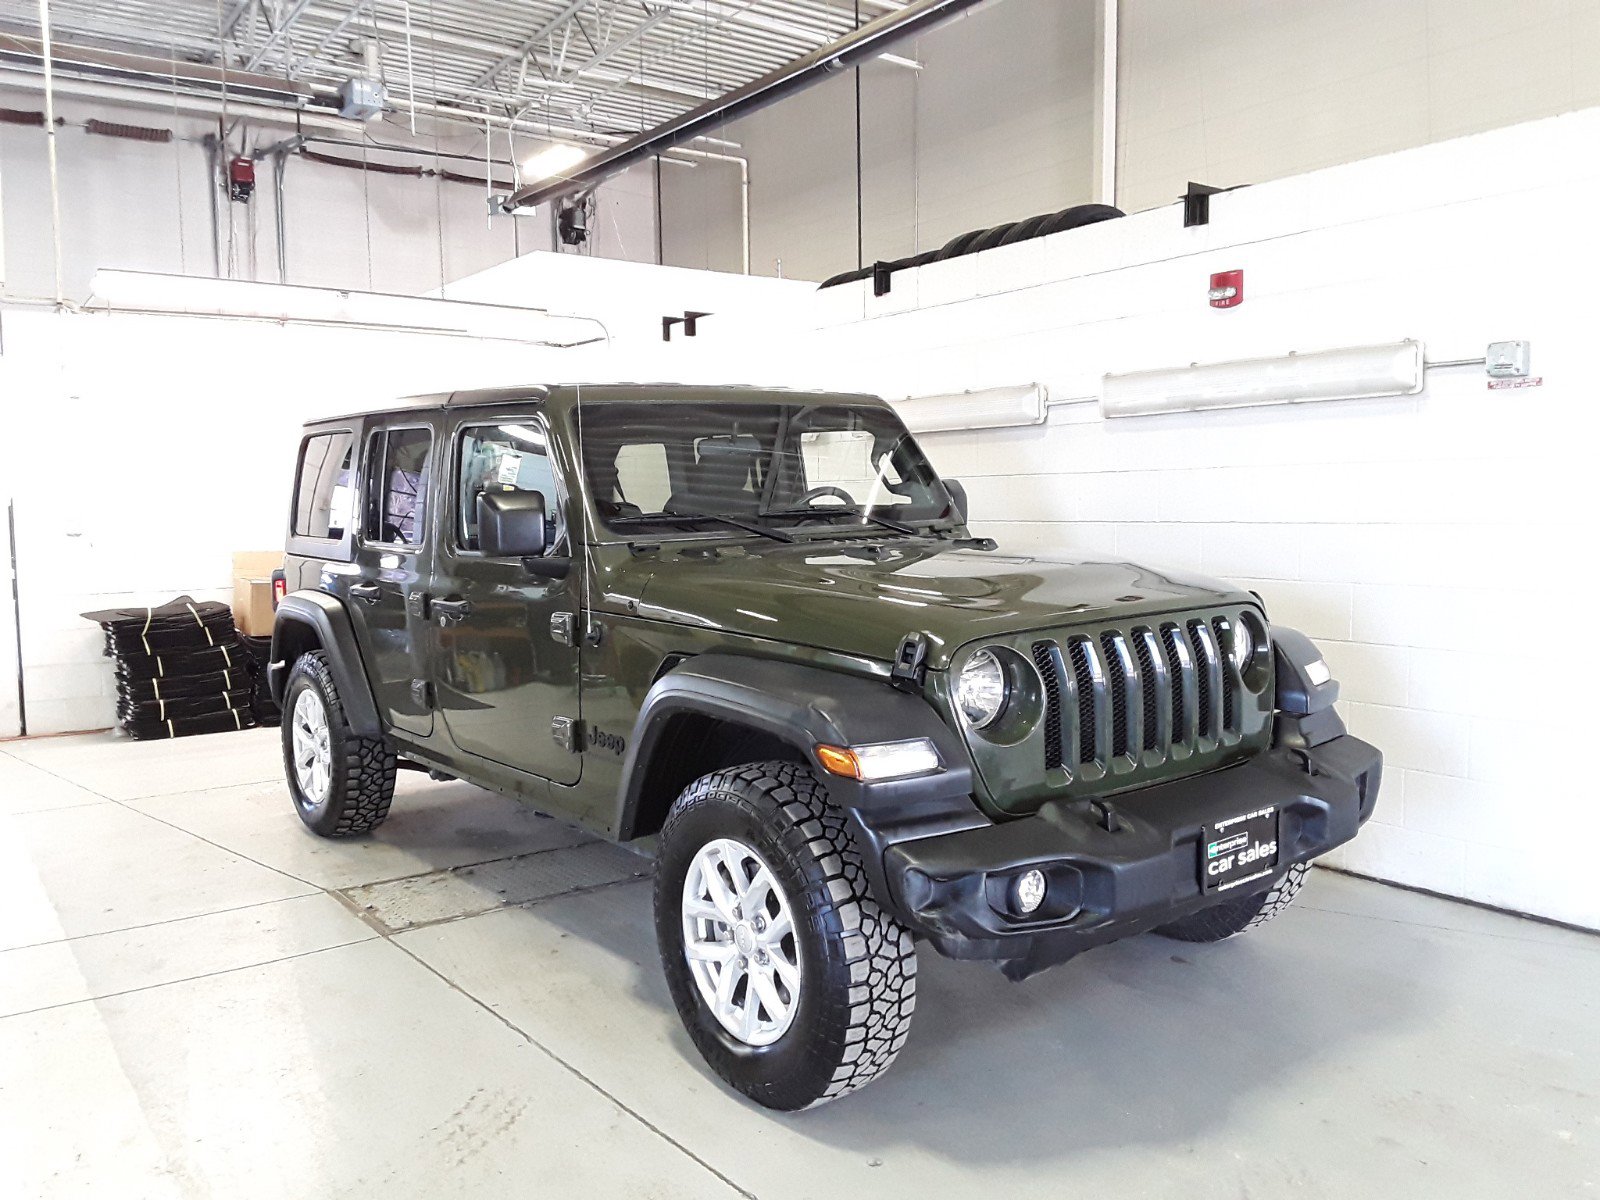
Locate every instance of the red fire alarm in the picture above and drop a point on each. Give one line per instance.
(1227, 289)
(241, 178)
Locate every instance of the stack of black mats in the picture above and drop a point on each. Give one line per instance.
(261, 702)
(181, 669)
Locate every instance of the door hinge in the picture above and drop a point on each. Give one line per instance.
(562, 626)
(422, 694)
(417, 604)
(567, 733)
(910, 663)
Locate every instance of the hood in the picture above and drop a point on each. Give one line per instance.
(864, 599)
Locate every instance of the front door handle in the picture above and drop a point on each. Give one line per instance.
(371, 593)
(451, 611)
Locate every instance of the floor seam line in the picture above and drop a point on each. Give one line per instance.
(150, 987)
(1504, 937)
(218, 846)
(78, 937)
(556, 1058)
(582, 890)
(467, 866)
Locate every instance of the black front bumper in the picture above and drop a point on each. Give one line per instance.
(1123, 872)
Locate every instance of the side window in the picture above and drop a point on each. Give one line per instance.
(504, 458)
(397, 486)
(324, 493)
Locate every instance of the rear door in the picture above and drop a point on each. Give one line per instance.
(387, 593)
(505, 641)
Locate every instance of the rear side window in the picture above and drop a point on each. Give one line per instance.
(324, 495)
(397, 486)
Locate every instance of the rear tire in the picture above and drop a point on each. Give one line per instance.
(845, 1008)
(341, 783)
(1238, 916)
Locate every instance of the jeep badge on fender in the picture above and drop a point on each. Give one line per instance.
(841, 722)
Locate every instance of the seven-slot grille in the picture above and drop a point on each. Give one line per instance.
(1142, 691)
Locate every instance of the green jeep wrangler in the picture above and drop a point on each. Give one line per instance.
(750, 630)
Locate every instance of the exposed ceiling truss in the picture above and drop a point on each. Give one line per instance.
(613, 67)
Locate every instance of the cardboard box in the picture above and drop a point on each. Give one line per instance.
(252, 590)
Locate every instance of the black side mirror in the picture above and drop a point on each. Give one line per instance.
(511, 524)
(958, 493)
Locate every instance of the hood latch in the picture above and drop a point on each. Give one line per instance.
(910, 663)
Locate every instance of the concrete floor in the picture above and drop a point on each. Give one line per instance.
(199, 998)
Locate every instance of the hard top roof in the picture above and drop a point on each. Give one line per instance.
(593, 392)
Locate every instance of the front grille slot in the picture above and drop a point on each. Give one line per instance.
(1045, 656)
(1083, 672)
(1121, 697)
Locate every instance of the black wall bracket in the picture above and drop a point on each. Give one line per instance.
(688, 321)
(881, 272)
(1197, 204)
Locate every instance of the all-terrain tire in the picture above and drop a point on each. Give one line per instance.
(1238, 916)
(362, 769)
(858, 964)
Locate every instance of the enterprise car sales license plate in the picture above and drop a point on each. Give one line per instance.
(1239, 850)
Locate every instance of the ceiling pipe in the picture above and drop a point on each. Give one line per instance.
(867, 42)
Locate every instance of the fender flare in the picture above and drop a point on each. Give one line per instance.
(807, 706)
(328, 619)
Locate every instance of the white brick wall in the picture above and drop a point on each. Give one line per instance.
(1436, 546)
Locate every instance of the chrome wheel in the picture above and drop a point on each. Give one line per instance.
(739, 939)
(313, 759)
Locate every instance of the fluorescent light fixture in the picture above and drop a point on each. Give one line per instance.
(1352, 373)
(554, 160)
(187, 295)
(990, 408)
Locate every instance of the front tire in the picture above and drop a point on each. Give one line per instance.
(1238, 916)
(800, 988)
(341, 783)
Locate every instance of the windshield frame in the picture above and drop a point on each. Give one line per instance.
(824, 523)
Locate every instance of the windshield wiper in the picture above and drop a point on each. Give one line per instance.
(685, 518)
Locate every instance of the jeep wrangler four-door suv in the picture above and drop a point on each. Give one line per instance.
(751, 630)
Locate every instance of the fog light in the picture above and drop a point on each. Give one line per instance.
(1029, 891)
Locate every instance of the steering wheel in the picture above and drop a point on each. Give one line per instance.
(817, 493)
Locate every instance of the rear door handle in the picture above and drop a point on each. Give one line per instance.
(451, 611)
(369, 592)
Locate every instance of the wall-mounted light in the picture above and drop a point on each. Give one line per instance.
(1352, 373)
(988, 408)
(188, 295)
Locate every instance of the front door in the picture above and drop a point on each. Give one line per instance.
(386, 596)
(506, 654)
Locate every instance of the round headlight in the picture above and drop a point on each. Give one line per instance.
(1243, 649)
(981, 689)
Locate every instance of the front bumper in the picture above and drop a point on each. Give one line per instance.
(1117, 875)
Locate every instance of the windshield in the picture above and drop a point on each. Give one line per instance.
(784, 464)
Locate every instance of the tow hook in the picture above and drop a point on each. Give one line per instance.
(1303, 757)
(1105, 816)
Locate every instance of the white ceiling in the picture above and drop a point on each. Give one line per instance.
(607, 66)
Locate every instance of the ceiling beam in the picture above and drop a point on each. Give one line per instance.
(860, 44)
(572, 9)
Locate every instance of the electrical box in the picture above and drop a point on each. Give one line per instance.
(361, 99)
(1507, 360)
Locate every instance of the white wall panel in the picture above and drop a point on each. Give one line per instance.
(1434, 544)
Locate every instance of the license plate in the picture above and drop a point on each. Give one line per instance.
(1239, 850)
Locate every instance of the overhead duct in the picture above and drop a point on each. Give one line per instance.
(869, 41)
(87, 62)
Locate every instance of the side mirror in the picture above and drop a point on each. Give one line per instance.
(958, 493)
(511, 524)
